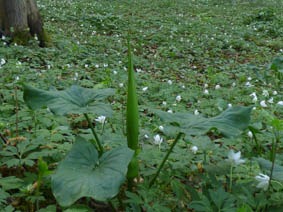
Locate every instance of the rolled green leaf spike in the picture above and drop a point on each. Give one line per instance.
(132, 116)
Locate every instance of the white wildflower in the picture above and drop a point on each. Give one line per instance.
(275, 93)
(96, 66)
(206, 91)
(255, 97)
(170, 82)
(169, 111)
(161, 128)
(265, 93)
(178, 98)
(250, 134)
(164, 103)
(145, 88)
(263, 104)
(157, 139)
(196, 112)
(101, 119)
(280, 103)
(229, 105)
(249, 78)
(270, 100)
(235, 158)
(205, 85)
(115, 72)
(249, 84)
(3, 61)
(146, 136)
(121, 85)
(194, 149)
(105, 65)
(233, 84)
(263, 181)
(217, 87)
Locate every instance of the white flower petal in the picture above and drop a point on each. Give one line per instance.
(178, 98)
(194, 149)
(263, 104)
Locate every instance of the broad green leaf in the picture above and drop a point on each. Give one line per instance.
(230, 123)
(83, 174)
(50, 208)
(266, 166)
(75, 99)
(78, 208)
(277, 64)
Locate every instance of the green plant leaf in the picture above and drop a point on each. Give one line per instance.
(277, 64)
(230, 123)
(265, 165)
(11, 182)
(78, 208)
(75, 99)
(132, 116)
(83, 174)
(132, 105)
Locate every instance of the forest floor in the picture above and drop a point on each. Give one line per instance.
(199, 57)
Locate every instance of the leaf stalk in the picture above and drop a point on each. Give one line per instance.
(165, 159)
(94, 134)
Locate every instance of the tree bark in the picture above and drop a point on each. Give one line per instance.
(20, 20)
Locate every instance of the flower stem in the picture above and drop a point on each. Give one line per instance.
(274, 147)
(164, 159)
(94, 134)
(231, 178)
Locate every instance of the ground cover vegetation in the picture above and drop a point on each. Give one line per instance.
(138, 105)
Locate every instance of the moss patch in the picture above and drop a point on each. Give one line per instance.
(22, 38)
(45, 39)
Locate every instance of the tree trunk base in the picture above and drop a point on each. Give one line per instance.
(20, 20)
(23, 38)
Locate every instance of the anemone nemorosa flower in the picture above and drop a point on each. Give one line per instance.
(101, 119)
(235, 158)
(263, 181)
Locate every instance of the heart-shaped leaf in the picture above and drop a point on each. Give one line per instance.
(277, 64)
(230, 123)
(266, 166)
(83, 174)
(75, 99)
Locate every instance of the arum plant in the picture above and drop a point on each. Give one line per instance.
(132, 118)
(86, 171)
(230, 123)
